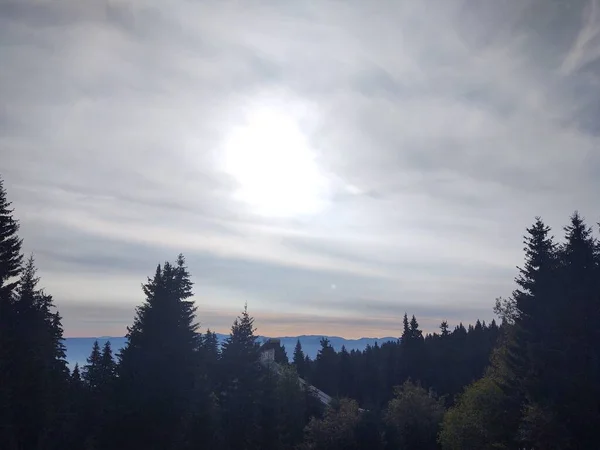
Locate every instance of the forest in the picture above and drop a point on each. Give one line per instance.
(531, 381)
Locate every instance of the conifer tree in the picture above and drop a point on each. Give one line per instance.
(567, 397)
(39, 375)
(10, 268)
(158, 365)
(326, 369)
(92, 371)
(444, 329)
(281, 355)
(210, 344)
(209, 355)
(346, 379)
(11, 257)
(241, 384)
(536, 311)
(108, 367)
(76, 375)
(299, 360)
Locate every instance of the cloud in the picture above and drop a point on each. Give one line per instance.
(442, 129)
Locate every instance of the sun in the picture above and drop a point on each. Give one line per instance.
(276, 172)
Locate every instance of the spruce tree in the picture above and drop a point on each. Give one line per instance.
(108, 367)
(92, 371)
(444, 329)
(11, 257)
(298, 359)
(345, 386)
(76, 375)
(574, 388)
(241, 384)
(10, 268)
(210, 354)
(525, 378)
(39, 376)
(325, 373)
(158, 365)
(412, 351)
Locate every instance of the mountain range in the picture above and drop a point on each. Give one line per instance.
(79, 348)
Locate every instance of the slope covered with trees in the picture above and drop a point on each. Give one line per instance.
(531, 382)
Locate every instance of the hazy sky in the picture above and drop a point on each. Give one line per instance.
(332, 163)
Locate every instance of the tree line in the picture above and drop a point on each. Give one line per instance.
(533, 381)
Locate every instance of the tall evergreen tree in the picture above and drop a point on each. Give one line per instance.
(298, 359)
(241, 385)
(108, 366)
(92, 370)
(574, 388)
(38, 371)
(158, 365)
(412, 351)
(209, 354)
(325, 373)
(536, 311)
(11, 258)
(76, 375)
(10, 268)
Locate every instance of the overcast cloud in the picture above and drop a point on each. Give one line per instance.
(441, 129)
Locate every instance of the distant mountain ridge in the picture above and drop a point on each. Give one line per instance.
(79, 348)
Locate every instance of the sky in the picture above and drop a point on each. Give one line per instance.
(334, 164)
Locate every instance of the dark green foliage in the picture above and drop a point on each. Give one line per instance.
(10, 248)
(76, 376)
(158, 366)
(291, 409)
(38, 377)
(337, 430)
(413, 417)
(477, 421)
(326, 369)
(10, 268)
(299, 360)
(92, 370)
(241, 385)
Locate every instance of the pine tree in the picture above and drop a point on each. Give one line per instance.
(108, 367)
(209, 354)
(444, 329)
(298, 359)
(536, 310)
(76, 375)
(326, 369)
(574, 388)
(405, 328)
(412, 351)
(345, 386)
(210, 344)
(415, 333)
(10, 249)
(39, 375)
(241, 384)
(158, 365)
(10, 268)
(92, 371)
(281, 355)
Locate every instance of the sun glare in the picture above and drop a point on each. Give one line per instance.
(276, 171)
